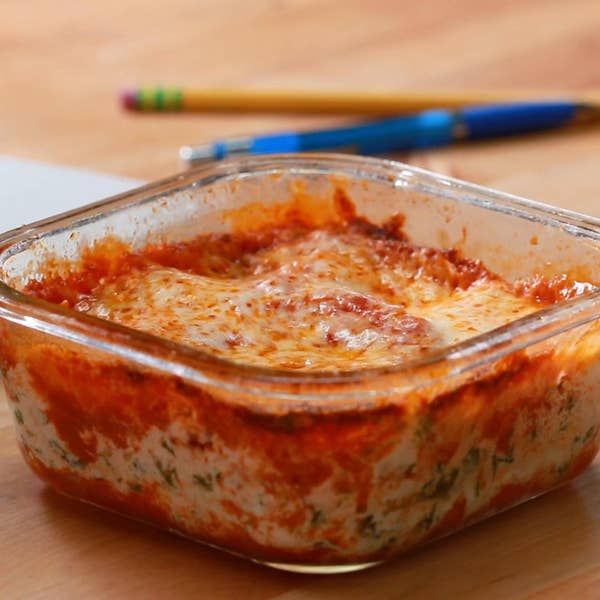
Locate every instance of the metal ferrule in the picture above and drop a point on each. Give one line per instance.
(216, 151)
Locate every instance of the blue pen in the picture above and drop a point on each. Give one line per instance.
(426, 129)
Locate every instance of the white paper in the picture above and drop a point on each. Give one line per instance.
(30, 191)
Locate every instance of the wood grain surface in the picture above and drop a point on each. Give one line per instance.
(61, 63)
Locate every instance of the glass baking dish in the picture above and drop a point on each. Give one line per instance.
(307, 471)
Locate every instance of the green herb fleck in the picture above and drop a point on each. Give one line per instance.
(585, 438)
(427, 521)
(498, 459)
(424, 428)
(73, 462)
(135, 487)
(165, 444)
(135, 463)
(569, 404)
(19, 416)
(441, 485)
(589, 434)
(565, 412)
(389, 544)
(317, 518)
(204, 481)
(471, 459)
(169, 474)
(368, 526)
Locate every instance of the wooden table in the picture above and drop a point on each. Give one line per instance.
(60, 65)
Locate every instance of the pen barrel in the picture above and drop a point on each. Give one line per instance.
(511, 119)
(411, 132)
(424, 130)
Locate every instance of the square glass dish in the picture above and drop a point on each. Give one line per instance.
(315, 471)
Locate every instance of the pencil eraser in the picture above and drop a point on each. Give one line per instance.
(128, 98)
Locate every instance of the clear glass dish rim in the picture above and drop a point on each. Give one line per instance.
(352, 388)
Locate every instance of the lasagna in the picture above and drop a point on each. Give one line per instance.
(303, 485)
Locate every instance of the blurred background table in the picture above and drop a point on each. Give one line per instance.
(61, 64)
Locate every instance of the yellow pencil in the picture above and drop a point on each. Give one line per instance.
(328, 102)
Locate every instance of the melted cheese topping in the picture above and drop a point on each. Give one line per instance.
(325, 300)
